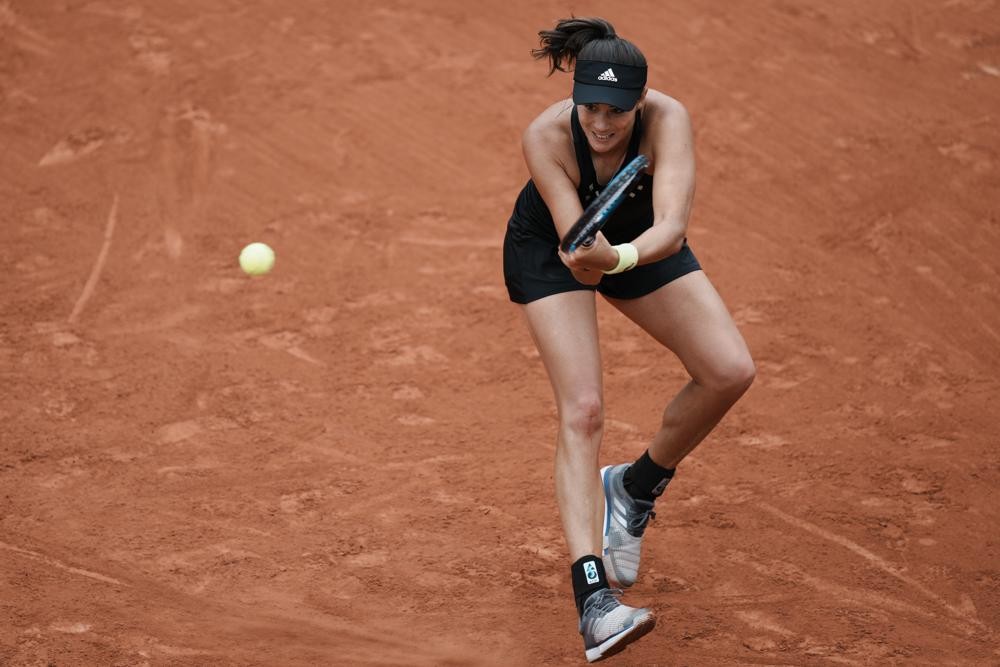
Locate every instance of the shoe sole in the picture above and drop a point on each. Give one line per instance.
(609, 567)
(616, 644)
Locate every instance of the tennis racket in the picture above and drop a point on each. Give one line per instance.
(584, 230)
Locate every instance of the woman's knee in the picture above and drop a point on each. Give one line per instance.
(731, 375)
(583, 414)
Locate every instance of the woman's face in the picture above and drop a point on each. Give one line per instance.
(607, 128)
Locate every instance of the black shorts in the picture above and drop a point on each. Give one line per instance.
(532, 270)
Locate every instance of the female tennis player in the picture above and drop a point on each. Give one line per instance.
(642, 265)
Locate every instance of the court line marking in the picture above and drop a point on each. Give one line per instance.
(102, 256)
(875, 560)
(62, 566)
(860, 597)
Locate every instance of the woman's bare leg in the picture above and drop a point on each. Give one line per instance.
(689, 318)
(564, 328)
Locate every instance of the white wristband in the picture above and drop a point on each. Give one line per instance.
(628, 257)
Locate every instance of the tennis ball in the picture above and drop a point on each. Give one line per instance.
(257, 259)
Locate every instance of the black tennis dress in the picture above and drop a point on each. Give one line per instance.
(531, 265)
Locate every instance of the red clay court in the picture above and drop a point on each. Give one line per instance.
(349, 461)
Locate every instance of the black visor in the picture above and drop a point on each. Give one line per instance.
(597, 82)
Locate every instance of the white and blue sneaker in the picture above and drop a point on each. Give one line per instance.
(608, 626)
(625, 521)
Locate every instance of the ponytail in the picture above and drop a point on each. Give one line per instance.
(589, 38)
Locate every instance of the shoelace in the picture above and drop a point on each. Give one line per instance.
(638, 518)
(604, 600)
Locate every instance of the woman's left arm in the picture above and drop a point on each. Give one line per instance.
(673, 182)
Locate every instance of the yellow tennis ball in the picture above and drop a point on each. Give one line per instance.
(257, 259)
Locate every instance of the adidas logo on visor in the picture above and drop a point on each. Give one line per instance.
(608, 75)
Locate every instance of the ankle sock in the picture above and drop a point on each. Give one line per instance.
(588, 577)
(645, 480)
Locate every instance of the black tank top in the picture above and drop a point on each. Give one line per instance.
(632, 217)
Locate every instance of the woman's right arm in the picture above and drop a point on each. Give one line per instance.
(545, 150)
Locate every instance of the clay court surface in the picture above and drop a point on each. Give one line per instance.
(349, 461)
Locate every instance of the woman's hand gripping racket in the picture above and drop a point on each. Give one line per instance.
(584, 231)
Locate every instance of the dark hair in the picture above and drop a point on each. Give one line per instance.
(586, 38)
